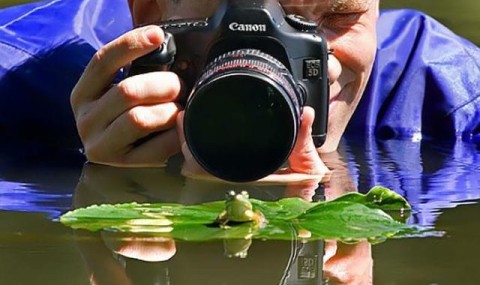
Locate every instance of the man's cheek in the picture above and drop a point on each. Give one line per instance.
(356, 52)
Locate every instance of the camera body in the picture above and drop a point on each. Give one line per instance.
(248, 53)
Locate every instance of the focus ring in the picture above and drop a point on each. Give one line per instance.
(256, 61)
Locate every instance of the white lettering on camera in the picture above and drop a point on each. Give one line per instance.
(247, 27)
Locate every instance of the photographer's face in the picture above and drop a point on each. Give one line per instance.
(350, 29)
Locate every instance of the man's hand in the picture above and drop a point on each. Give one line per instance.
(112, 120)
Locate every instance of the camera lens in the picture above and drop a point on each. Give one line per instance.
(242, 117)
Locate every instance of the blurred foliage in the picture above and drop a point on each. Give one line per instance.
(5, 3)
(461, 15)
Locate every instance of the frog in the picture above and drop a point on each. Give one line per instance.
(239, 209)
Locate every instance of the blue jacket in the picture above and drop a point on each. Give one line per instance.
(425, 82)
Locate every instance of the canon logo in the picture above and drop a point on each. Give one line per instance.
(247, 27)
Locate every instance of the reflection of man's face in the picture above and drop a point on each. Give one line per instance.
(349, 26)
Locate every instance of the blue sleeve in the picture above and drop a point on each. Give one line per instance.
(44, 48)
(425, 82)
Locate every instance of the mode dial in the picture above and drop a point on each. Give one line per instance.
(301, 23)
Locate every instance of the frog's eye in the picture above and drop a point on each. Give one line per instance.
(245, 194)
(230, 194)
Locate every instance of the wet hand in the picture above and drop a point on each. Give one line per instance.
(114, 120)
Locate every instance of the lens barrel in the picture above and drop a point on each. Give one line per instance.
(243, 115)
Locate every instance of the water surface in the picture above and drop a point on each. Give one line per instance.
(441, 180)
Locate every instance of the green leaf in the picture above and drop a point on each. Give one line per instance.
(349, 218)
(349, 221)
(284, 209)
(378, 197)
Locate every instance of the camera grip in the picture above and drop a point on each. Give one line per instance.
(319, 102)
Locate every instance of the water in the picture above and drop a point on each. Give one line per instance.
(441, 180)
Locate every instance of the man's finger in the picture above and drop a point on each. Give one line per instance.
(146, 90)
(126, 131)
(155, 152)
(104, 65)
(140, 122)
(181, 133)
(304, 157)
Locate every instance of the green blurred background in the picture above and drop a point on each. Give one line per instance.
(462, 16)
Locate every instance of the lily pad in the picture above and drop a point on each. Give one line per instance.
(350, 218)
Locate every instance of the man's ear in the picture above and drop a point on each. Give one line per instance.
(145, 11)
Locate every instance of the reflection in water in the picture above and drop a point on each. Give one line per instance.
(434, 178)
(193, 263)
(17, 196)
(37, 179)
(432, 175)
(296, 262)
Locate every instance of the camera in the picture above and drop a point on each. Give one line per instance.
(248, 70)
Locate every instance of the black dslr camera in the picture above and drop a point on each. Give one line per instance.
(248, 70)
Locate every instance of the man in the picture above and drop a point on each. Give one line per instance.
(423, 75)
(111, 120)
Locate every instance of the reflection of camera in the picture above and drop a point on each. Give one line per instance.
(249, 70)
